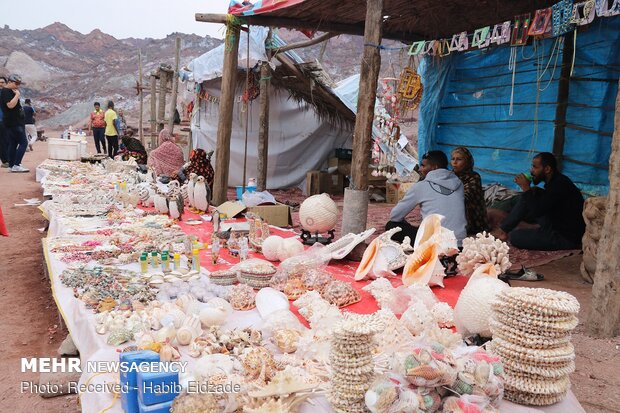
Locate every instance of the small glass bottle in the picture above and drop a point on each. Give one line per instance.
(195, 260)
(154, 260)
(144, 264)
(165, 263)
(177, 261)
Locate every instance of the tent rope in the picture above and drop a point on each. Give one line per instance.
(247, 112)
(512, 65)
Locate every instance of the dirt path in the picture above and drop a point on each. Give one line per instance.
(29, 323)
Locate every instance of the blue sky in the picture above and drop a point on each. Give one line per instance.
(120, 18)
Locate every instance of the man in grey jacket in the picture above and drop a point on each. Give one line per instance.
(440, 192)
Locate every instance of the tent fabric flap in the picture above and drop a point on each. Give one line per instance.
(501, 103)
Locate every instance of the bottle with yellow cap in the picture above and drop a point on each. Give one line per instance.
(177, 261)
(195, 260)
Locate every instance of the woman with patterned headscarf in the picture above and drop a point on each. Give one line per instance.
(200, 164)
(475, 207)
(167, 158)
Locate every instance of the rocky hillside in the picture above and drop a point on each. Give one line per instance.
(65, 71)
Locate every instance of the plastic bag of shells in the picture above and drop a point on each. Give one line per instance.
(296, 266)
(202, 289)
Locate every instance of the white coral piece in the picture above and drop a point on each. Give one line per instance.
(417, 318)
(382, 290)
(443, 314)
(482, 249)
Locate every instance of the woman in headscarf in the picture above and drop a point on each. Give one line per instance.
(200, 164)
(475, 207)
(167, 158)
(132, 148)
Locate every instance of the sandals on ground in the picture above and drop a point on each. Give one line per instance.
(524, 274)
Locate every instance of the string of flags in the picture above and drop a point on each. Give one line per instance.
(557, 20)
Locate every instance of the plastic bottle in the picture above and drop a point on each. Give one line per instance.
(144, 264)
(195, 260)
(177, 261)
(165, 263)
(154, 260)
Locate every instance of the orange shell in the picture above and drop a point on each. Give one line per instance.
(368, 260)
(421, 264)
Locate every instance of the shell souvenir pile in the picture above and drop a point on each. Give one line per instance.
(483, 249)
(531, 334)
(351, 361)
(256, 273)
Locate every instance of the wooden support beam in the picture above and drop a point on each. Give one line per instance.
(263, 125)
(161, 107)
(322, 26)
(560, 109)
(369, 76)
(141, 91)
(299, 45)
(355, 210)
(153, 112)
(175, 85)
(604, 318)
(224, 124)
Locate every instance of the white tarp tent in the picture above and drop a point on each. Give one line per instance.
(298, 140)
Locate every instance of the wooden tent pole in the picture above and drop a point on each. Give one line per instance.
(175, 85)
(356, 197)
(224, 124)
(153, 111)
(562, 105)
(604, 319)
(161, 108)
(263, 131)
(141, 91)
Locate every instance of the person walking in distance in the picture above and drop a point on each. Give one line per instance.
(14, 124)
(97, 126)
(111, 131)
(4, 153)
(30, 119)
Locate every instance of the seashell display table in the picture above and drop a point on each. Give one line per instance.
(73, 234)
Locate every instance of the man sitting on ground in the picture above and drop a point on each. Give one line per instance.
(557, 209)
(440, 192)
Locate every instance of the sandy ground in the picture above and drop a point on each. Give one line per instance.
(29, 325)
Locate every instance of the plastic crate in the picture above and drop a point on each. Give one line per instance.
(64, 150)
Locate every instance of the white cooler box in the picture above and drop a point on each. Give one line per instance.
(66, 150)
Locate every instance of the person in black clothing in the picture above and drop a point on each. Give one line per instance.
(557, 209)
(4, 145)
(14, 123)
(29, 120)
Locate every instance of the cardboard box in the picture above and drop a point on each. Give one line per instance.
(395, 191)
(335, 184)
(278, 215)
(343, 165)
(316, 181)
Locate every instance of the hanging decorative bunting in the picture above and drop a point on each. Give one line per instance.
(445, 46)
(607, 8)
(416, 48)
(521, 29)
(459, 42)
(481, 38)
(583, 13)
(501, 33)
(562, 15)
(430, 48)
(540, 25)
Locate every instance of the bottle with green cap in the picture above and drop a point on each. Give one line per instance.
(165, 264)
(154, 260)
(144, 264)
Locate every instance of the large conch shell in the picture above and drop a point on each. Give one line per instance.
(431, 230)
(190, 329)
(423, 266)
(382, 256)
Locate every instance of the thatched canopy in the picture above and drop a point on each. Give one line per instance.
(405, 20)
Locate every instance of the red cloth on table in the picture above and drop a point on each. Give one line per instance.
(342, 270)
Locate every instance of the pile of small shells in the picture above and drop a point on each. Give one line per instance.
(242, 297)
(340, 293)
(224, 277)
(531, 334)
(351, 360)
(482, 249)
(255, 272)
